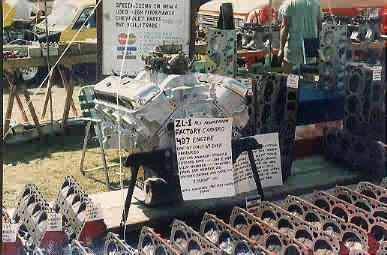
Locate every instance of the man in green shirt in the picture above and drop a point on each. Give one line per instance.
(301, 20)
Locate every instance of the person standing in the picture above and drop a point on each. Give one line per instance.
(301, 19)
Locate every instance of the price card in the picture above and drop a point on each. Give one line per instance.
(369, 34)
(9, 232)
(94, 212)
(377, 74)
(54, 222)
(292, 81)
(354, 35)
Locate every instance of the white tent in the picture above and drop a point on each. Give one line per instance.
(241, 7)
(352, 3)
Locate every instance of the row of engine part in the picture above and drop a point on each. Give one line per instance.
(41, 228)
(345, 222)
(356, 152)
(274, 109)
(364, 104)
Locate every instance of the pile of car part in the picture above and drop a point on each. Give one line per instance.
(344, 221)
(74, 204)
(42, 229)
(334, 48)
(222, 47)
(258, 37)
(274, 110)
(362, 142)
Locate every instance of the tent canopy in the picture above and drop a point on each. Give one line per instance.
(241, 7)
(244, 7)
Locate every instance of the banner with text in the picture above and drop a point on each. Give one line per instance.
(204, 157)
(144, 24)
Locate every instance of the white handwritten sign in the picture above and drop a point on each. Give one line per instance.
(377, 73)
(9, 232)
(94, 212)
(292, 81)
(144, 24)
(267, 161)
(54, 222)
(204, 157)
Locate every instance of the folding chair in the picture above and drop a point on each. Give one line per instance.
(86, 100)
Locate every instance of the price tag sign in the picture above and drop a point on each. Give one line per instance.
(354, 35)
(292, 81)
(369, 34)
(9, 232)
(377, 74)
(94, 212)
(54, 222)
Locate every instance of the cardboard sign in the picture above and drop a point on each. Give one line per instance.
(292, 81)
(54, 222)
(9, 232)
(204, 156)
(144, 24)
(268, 162)
(94, 212)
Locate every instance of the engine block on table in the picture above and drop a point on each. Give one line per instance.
(147, 106)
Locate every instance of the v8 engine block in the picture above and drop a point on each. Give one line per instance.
(148, 105)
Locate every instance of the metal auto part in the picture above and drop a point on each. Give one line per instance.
(225, 236)
(266, 234)
(372, 206)
(316, 215)
(147, 108)
(188, 240)
(78, 249)
(115, 246)
(72, 202)
(32, 214)
(355, 152)
(151, 243)
(333, 48)
(371, 190)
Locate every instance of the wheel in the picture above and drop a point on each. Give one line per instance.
(33, 76)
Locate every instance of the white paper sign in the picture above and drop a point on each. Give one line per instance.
(268, 162)
(9, 232)
(292, 81)
(377, 73)
(54, 222)
(354, 35)
(94, 212)
(204, 157)
(148, 23)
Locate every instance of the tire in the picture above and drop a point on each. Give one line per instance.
(34, 76)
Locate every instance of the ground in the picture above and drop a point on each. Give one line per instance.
(46, 162)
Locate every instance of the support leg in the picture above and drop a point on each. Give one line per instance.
(85, 140)
(32, 111)
(12, 95)
(47, 96)
(69, 93)
(105, 167)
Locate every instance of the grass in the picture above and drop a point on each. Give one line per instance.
(46, 162)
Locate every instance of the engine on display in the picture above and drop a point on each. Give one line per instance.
(142, 110)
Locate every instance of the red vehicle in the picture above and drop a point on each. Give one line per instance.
(383, 25)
